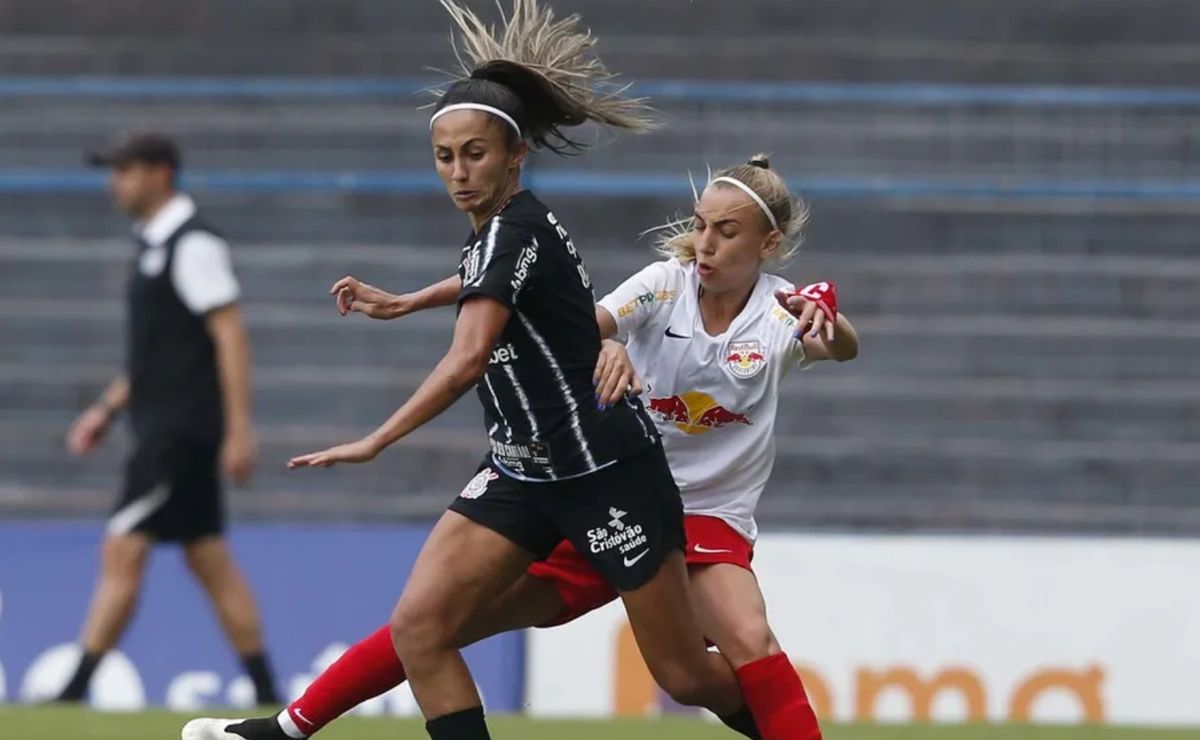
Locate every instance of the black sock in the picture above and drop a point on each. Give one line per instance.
(77, 687)
(260, 674)
(465, 725)
(264, 728)
(742, 722)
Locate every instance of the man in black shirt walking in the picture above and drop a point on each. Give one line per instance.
(187, 388)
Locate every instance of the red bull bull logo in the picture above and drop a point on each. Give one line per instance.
(745, 359)
(694, 412)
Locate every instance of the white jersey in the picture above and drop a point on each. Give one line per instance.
(713, 398)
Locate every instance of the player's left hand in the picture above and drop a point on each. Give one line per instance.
(814, 306)
(614, 376)
(364, 450)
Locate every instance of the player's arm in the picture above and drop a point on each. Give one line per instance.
(89, 428)
(608, 325)
(619, 315)
(232, 345)
(480, 324)
(615, 375)
(354, 296)
(632, 304)
(485, 305)
(202, 274)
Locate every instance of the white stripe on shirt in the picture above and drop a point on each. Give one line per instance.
(524, 401)
(496, 405)
(565, 389)
(633, 407)
(488, 251)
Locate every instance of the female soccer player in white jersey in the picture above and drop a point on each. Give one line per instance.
(712, 337)
(526, 338)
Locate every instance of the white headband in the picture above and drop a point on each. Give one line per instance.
(753, 196)
(476, 106)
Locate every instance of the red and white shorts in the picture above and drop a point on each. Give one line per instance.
(709, 541)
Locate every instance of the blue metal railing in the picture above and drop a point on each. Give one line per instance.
(631, 184)
(701, 91)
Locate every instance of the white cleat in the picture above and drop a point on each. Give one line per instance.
(210, 729)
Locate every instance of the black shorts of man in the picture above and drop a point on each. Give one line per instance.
(186, 386)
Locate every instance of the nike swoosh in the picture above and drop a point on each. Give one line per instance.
(673, 335)
(306, 720)
(630, 561)
(705, 551)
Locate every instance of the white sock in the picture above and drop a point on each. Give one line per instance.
(288, 725)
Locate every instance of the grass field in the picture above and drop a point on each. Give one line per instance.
(55, 723)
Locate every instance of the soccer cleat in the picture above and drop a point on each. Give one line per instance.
(265, 728)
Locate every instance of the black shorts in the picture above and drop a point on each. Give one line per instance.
(624, 518)
(172, 492)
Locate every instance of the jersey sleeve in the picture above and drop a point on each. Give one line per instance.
(792, 347)
(202, 272)
(502, 265)
(634, 302)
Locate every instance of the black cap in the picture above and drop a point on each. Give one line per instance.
(145, 147)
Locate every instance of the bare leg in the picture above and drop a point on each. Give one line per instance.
(369, 669)
(228, 591)
(122, 564)
(462, 567)
(670, 640)
(732, 613)
(530, 602)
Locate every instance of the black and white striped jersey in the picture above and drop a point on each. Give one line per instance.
(537, 394)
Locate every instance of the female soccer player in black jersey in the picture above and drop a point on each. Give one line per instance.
(526, 338)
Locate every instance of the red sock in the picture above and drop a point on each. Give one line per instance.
(365, 671)
(776, 697)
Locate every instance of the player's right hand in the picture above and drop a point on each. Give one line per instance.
(614, 376)
(354, 296)
(88, 430)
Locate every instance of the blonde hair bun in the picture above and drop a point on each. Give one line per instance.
(762, 161)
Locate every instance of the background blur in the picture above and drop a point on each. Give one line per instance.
(1006, 191)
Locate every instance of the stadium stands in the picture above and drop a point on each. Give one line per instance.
(1020, 266)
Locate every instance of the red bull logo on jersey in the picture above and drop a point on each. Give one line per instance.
(745, 359)
(694, 412)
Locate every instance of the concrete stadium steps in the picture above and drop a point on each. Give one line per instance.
(818, 481)
(298, 276)
(1019, 391)
(894, 226)
(986, 346)
(829, 139)
(983, 40)
(846, 403)
(769, 54)
(1029, 361)
(1070, 21)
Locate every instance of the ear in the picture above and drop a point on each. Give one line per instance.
(771, 244)
(165, 177)
(518, 155)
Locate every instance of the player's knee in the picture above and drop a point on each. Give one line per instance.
(750, 641)
(683, 685)
(205, 560)
(415, 628)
